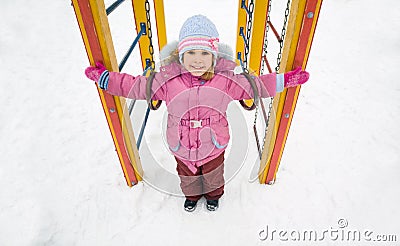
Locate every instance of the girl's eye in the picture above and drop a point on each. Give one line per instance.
(190, 52)
(205, 53)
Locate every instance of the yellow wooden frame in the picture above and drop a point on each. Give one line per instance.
(294, 26)
(106, 44)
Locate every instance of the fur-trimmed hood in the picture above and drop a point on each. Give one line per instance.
(225, 59)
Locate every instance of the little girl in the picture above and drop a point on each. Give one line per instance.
(197, 83)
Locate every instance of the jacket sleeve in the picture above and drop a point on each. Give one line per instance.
(134, 87)
(271, 84)
(268, 85)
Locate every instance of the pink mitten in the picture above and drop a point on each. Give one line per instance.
(296, 77)
(94, 73)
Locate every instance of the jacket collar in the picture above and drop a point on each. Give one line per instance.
(221, 66)
(175, 69)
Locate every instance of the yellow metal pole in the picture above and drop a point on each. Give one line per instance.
(160, 21)
(139, 12)
(257, 35)
(242, 18)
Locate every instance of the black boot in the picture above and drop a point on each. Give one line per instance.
(212, 205)
(190, 205)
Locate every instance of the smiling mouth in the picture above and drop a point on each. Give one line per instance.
(198, 68)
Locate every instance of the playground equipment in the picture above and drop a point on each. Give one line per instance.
(300, 20)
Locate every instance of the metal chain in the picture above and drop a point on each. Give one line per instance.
(283, 33)
(247, 49)
(249, 27)
(248, 35)
(149, 34)
(265, 50)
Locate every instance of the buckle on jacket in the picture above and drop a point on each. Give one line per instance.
(195, 123)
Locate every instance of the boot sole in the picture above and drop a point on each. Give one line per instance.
(211, 208)
(190, 209)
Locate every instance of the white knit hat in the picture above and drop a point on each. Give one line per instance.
(198, 32)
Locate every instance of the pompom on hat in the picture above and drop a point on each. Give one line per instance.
(198, 33)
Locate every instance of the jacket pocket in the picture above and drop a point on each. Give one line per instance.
(219, 131)
(173, 134)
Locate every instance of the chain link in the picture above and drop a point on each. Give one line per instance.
(279, 57)
(249, 26)
(245, 64)
(265, 50)
(149, 34)
(278, 60)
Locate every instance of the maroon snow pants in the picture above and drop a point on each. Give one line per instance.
(208, 180)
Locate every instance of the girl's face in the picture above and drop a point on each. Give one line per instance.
(197, 62)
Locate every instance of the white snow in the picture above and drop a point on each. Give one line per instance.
(61, 182)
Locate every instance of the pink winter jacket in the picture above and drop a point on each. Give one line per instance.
(197, 127)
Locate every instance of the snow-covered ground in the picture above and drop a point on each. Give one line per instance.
(61, 182)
